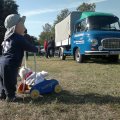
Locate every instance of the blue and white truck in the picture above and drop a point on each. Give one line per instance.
(88, 34)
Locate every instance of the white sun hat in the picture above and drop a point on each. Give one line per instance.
(10, 23)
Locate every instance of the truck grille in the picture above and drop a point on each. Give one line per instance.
(111, 43)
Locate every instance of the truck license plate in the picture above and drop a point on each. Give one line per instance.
(114, 52)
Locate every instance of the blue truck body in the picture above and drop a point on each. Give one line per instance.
(94, 34)
(83, 41)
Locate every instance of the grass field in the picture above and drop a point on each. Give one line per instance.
(91, 91)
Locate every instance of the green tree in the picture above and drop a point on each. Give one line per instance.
(43, 36)
(6, 7)
(34, 39)
(48, 31)
(86, 7)
(63, 14)
(47, 27)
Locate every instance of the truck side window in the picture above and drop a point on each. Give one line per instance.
(83, 25)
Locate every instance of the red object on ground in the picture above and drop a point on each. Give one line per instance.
(21, 89)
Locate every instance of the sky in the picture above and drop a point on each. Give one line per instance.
(39, 12)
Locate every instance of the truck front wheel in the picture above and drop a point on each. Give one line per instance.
(78, 57)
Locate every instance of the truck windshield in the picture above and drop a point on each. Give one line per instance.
(108, 23)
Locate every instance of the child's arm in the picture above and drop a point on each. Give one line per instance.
(27, 46)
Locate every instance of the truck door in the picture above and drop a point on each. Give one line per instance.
(79, 36)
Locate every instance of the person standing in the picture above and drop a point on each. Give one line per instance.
(14, 45)
(45, 46)
(50, 48)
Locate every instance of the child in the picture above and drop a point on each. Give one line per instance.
(14, 45)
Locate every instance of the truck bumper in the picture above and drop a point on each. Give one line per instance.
(102, 52)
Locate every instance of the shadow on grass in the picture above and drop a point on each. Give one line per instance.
(66, 97)
(70, 58)
(105, 62)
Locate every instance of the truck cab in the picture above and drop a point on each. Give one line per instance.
(96, 34)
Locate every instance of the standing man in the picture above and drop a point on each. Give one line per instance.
(50, 48)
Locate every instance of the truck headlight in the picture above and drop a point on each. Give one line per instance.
(94, 42)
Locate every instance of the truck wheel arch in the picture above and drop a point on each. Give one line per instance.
(78, 56)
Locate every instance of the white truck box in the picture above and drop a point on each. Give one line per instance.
(65, 28)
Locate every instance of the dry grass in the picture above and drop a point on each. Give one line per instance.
(91, 91)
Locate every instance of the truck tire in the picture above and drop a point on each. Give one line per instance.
(78, 57)
(113, 58)
(62, 56)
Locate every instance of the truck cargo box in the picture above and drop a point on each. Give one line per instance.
(65, 28)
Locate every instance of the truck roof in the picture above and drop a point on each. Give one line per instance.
(88, 14)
